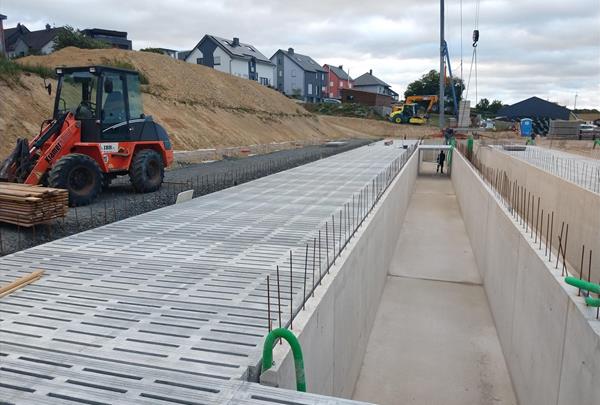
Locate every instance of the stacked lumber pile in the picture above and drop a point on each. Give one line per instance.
(25, 205)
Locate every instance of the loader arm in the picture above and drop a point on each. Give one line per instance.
(54, 143)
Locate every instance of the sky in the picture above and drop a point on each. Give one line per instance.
(549, 49)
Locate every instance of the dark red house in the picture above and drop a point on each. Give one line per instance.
(337, 80)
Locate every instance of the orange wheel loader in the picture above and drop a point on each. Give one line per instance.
(98, 132)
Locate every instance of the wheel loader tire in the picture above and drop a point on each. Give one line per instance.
(80, 175)
(147, 171)
(398, 120)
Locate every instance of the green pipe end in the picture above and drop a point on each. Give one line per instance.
(267, 360)
(583, 285)
(592, 302)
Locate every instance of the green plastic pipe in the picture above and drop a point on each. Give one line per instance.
(453, 145)
(583, 285)
(267, 358)
(592, 302)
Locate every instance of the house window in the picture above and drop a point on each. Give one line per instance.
(251, 68)
(323, 76)
(330, 84)
(309, 88)
(217, 60)
(199, 61)
(264, 81)
(330, 95)
(293, 72)
(280, 73)
(341, 84)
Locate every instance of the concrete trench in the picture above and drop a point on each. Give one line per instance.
(448, 308)
(426, 304)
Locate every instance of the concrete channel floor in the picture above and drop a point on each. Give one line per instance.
(434, 339)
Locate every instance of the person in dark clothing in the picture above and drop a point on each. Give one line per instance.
(440, 162)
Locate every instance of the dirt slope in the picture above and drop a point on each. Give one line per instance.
(200, 107)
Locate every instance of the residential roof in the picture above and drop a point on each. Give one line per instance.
(34, 39)
(241, 51)
(304, 61)
(2, 17)
(535, 107)
(339, 72)
(182, 55)
(37, 39)
(10, 32)
(102, 31)
(368, 79)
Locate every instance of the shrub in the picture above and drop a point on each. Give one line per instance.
(152, 50)
(70, 36)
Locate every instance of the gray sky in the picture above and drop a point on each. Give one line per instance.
(546, 48)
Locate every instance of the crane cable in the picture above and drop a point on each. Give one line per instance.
(474, 56)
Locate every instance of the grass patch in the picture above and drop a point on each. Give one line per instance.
(126, 65)
(344, 110)
(42, 71)
(10, 72)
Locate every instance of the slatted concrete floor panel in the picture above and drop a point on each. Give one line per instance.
(176, 295)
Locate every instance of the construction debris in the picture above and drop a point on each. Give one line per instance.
(25, 205)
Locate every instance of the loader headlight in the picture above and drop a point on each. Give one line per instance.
(59, 71)
(92, 70)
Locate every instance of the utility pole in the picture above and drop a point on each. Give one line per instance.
(442, 67)
(575, 105)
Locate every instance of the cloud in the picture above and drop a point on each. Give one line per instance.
(533, 47)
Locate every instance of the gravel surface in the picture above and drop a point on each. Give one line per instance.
(119, 201)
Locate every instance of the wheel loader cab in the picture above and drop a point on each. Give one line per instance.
(108, 103)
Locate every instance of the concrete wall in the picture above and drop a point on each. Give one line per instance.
(334, 329)
(571, 203)
(550, 339)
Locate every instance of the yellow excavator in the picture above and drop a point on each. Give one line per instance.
(408, 111)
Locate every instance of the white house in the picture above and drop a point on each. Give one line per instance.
(20, 41)
(233, 57)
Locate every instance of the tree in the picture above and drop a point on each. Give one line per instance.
(429, 83)
(483, 105)
(495, 106)
(70, 36)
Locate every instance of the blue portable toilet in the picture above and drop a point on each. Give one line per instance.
(527, 127)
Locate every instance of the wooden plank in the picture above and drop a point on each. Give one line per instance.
(27, 205)
(20, 283)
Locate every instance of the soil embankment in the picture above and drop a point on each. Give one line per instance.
(200, 107)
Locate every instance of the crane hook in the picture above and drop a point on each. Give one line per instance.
(475, 38)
